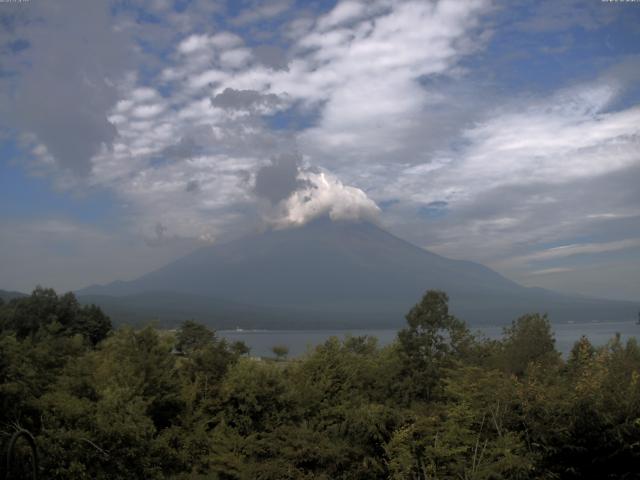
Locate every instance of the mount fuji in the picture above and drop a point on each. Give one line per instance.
(330, 274)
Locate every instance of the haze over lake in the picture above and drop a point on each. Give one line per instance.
(299, 341)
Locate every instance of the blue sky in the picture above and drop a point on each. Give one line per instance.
(502, 132)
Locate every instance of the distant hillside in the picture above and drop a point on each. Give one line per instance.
(332, 273)
(7, 295)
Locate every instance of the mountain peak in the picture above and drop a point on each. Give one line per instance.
(340, 270)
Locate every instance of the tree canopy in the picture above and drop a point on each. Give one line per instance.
(439, 402)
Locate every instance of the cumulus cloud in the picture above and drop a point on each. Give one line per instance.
(324, 195)
(299, 193)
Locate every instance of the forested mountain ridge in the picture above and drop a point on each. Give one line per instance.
(7, 295)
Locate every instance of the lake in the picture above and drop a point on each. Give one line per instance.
(299, 341)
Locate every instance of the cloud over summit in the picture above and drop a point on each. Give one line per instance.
(299, 193)
(323, 194)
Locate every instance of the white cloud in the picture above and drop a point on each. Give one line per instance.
(364, 75)
(323, 194)
(193, 43)
(614, 215)
(343, 12)
(550, 271)
(236, 58)
(198, 43)
(531, 172)
(552, 140)
(578, 249)
(369, 74)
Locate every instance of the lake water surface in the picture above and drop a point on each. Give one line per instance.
(299, 341)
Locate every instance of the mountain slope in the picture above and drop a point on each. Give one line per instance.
(345, 273)
(7, 295)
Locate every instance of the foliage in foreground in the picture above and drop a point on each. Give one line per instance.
(437, 403)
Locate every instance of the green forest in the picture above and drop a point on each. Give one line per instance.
(438, 403)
